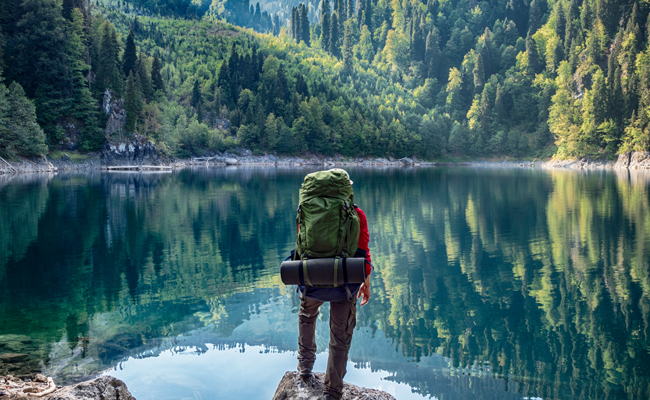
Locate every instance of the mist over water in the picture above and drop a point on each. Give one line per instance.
(488, 283)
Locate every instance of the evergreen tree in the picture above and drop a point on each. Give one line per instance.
(325, 25)
(143, 76)
(433, 56)
(347, 49)
(196, 94)
(334, 37)
(535, 17)
(534, 62)
(607, 13)
(223, 82)
(2, 47)
(418, 44)
(586, 16)
(479, 72)
(81, 105)
(132, 104)
(129, 58)
(365, 50)
(304, 25)
(294, 23)
(20, 134)
(367, 13)
(156, 77)
(350, 9)
(39, 61)
(560, 21)
(109, 75)
(486, 52)
(301, 86)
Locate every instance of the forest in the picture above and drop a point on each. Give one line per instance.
(398, 78)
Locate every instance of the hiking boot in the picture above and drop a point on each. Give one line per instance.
(306, 376)
(329, 396)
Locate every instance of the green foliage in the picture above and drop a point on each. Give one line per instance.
(20, 134)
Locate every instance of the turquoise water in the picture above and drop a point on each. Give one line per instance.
(488, 283)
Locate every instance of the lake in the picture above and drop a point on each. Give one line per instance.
(488, 283)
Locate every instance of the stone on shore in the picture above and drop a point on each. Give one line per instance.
(292, 387)
(102, 388)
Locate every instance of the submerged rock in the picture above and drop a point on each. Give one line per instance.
(292, 387)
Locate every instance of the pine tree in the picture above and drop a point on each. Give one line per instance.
(586, 16)
(156, 77)
(418, 44)
(607, 13)
(81, 105)
(294, 23)
(479, 72)
(367, 11)
(143, 76)
(129, 58)
(560, 21)
(365, 48)
(325, 25)
(109, 75)
(486, 52)
(350, 9)
(19, 131)
(39, 61)
(535, 17)
(334, 37)
(304, 25)
(433, 56)
(132, 104)
(223, 82)
(347, 49)
(196, 94)
(534, 62)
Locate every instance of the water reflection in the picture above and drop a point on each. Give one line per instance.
(487, 283)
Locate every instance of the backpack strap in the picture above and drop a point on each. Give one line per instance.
(301, 276)
(345, 271)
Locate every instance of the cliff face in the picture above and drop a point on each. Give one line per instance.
(114, 109)
(135, 151)
(633, 160)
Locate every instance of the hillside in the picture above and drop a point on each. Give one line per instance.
(401, 78)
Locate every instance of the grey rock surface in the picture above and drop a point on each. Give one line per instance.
(104, 388)
(292, 387)
(136, 151)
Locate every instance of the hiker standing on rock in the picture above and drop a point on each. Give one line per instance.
(330, 225)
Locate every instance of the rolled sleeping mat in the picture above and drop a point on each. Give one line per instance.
(324, 271)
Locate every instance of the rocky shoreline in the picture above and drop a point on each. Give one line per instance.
(139, 153)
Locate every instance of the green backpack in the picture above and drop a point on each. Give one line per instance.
(328, 224)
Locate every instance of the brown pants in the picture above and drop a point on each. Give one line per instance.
(343, 319)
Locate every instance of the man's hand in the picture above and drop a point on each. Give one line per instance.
(364, 292)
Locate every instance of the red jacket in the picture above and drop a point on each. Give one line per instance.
(364, 238)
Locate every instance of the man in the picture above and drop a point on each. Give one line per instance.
(343, 319)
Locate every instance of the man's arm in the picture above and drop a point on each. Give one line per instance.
(364, 291)
(364, 238)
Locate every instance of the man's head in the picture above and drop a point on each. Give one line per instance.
(344, 171)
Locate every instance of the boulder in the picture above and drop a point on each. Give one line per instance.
(104, 388)
(640, 160)
(292, 387)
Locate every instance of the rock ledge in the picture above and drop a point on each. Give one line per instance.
(292, 387)
(102, 388)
